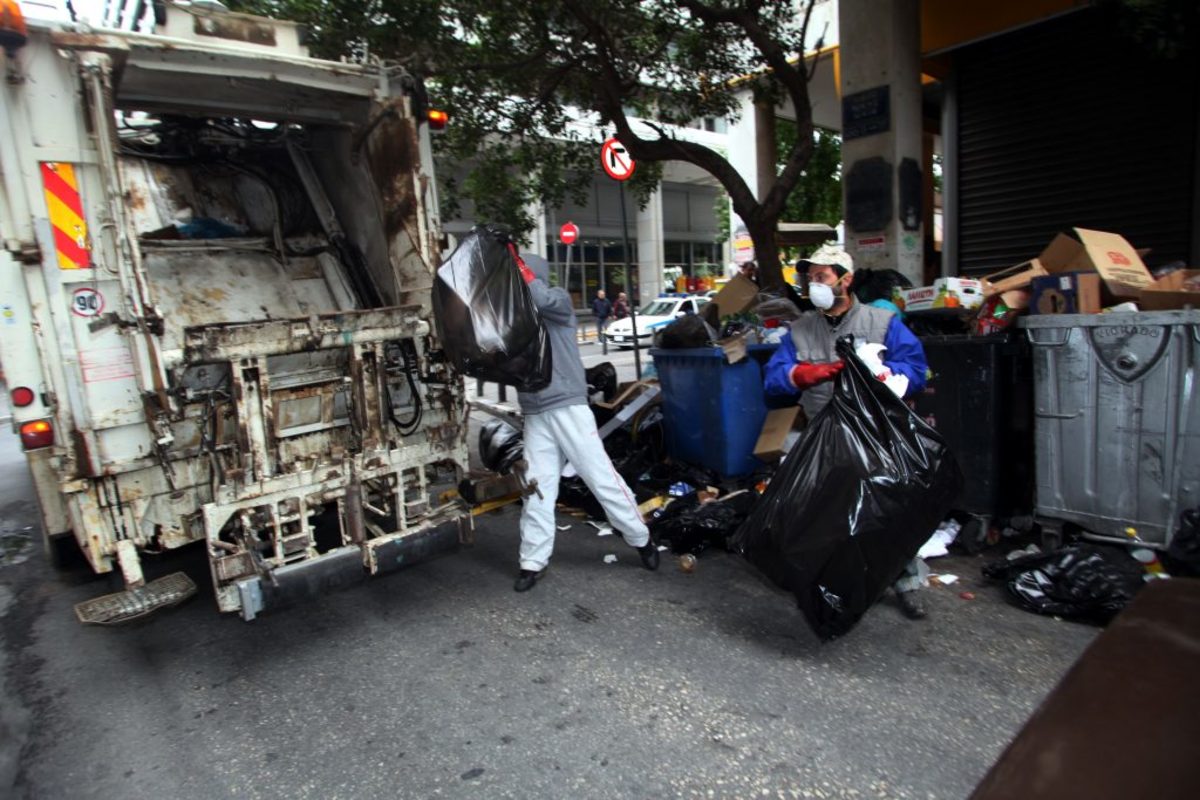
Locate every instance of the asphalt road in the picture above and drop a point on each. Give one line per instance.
(605, 681)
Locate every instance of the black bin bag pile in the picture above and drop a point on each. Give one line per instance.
(852, 503)
(485, 314)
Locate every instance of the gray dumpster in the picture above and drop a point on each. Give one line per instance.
(1117, 420)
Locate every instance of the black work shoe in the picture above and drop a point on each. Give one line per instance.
(649, 555)
(911, 605)
(526, 578)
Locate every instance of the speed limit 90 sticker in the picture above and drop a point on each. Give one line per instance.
(87, 302)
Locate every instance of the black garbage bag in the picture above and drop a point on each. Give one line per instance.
(686, 332)
(485, 314)
(660, 477)
(852, 503)
(878, 284)
(1183, 556)
(574, 492)
(602, 378)
(1083, 581)
(631, 465)
(500, 445)
(690, 526)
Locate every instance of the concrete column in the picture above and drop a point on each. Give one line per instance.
(537, 240)
(881, 126)
(742, 158)
(651, 258)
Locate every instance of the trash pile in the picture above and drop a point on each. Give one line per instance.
(865, 486)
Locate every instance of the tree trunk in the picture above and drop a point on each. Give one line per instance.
(766, 253)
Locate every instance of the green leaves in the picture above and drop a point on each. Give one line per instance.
(534, 87)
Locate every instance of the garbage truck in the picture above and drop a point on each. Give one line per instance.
(215, 313)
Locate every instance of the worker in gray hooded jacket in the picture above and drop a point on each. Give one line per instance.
(560, 429)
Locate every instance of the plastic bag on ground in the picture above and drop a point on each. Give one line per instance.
(692, 527)
(852, 503)
(485, 314)
(500, 445)
(1087, 582)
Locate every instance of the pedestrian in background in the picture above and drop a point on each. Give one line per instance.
(602, 307)
(620, 308)
(560, 429)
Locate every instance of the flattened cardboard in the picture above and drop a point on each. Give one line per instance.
(1018, 276)
(1109, 254)
(1068, 293)
(1168, 292)
(776, 427)
(738, 295)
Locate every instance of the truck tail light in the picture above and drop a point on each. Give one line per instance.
(22, 396)
(37, 434)
(438, 119)
(12, 26)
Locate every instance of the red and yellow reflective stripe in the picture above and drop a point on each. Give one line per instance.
(66, 215)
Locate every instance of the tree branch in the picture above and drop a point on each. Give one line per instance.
(664, 148)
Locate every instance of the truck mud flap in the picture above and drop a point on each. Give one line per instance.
(341, 568)
(121, 607)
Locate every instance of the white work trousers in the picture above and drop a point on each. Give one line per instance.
(553, 438)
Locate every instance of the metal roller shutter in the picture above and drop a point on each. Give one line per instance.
(1064, 124)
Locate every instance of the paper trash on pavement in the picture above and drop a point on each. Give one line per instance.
(940, 540)
(610, 559)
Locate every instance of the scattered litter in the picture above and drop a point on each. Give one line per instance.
(610, 558)
(680, 489)
(564, 527)
(939, 542)
(601, 530)
(662, 547)
(967, 595)
(687, 562)
(944, 580)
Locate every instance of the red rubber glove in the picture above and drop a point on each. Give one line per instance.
(807, 374)
(526, 272)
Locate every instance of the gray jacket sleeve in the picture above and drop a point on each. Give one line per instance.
(554, 304)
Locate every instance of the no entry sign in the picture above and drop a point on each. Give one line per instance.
(616, 160)
(568, 233)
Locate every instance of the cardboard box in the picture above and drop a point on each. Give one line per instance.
(944, 293)
(734, 346)
(1080, 250)
(1018, 276)
(776, 427)
(1176, 290)
(737, 296)
(1067, 293)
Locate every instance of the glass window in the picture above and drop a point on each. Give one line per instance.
(658, 308)
(686, 307)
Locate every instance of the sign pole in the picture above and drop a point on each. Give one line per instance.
(637, 350)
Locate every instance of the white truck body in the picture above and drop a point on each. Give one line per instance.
(215, 277)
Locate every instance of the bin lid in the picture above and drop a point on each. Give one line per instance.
(1106, 320)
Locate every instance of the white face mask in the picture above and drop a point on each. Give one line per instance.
(821, 296)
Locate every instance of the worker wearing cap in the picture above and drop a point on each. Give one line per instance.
(806, 362)
(561, 429)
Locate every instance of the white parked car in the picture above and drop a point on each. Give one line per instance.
(651, 318)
